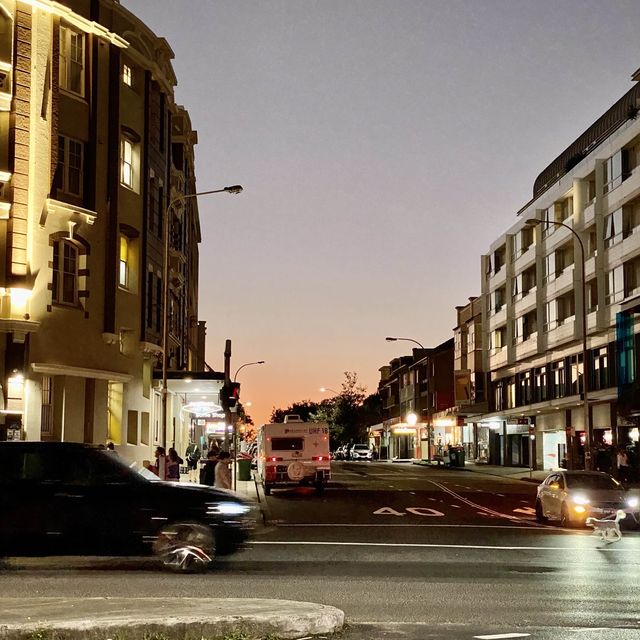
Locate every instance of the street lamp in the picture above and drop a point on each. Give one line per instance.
(234, 415)
(235, 189)
(247, 364)
(391, 339)
(588, 440)
(325, 389)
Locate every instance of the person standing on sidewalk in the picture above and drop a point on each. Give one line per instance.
(622, 462)
(223, 473)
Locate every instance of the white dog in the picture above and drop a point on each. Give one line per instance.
(608, 530)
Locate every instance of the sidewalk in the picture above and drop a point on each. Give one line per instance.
(517, 473)
(174, 618)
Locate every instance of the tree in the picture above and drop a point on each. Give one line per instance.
(304, 409)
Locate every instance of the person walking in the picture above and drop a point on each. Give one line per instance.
(173, 465)
(223, 473)
(622, 463)
(208, 471)
(192, 454)
(160, 467)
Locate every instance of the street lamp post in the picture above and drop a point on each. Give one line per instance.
(393, 339)
(234, 415)
(325, 389)
(588, 440)
(165, 292)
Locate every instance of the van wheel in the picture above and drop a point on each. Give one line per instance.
(267, 489)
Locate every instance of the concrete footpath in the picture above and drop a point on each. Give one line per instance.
(171, 618)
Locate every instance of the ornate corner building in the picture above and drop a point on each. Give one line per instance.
(92, 150)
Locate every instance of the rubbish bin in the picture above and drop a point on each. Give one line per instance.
(456, 457)
(244, 469)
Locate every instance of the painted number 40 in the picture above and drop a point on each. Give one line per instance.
(416, 511)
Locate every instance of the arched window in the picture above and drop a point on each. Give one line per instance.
(65, 272)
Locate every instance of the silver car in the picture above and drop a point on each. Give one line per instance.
(573, 496)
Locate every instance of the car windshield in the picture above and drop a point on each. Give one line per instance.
(589, 481)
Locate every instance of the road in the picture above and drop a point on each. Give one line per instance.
(406, 552)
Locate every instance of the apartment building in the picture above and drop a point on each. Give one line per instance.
(92, 150)
(573, 254)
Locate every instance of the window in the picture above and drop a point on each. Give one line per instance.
(127, 75)
(123, 272)
(72, 60)
(498, 259)
(549, 217)
(498, 299)
(564, 257)
(70, 163)
(511, 393)
(46, 410)
(592, 242)
(65, 273)
(631, 277)
(550, 267)
(526, 391)
(558, 379)
(126, 163)
(592, 295)
(615, 285)
(499, 338)
(525, 327)
(550, 315)
(616, 169)
(540, 381)
(149, 313)
(600, 373)
(287, 444)
(566, 307)
(565, 209)
(575, 374)
(613, 228)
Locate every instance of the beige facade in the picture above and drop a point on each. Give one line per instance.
(87, 167)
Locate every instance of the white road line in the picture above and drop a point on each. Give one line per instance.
(419, 545)
(501, 636)
(455, 526)
(456, 506)
(500, 494)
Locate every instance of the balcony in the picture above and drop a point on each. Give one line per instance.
(527, 348)
(498, 318)
(525, 259)
(526, 303)
(589, 213)
(499, 278)
(497, 358)
(563, 331)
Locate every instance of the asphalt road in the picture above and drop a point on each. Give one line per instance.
(406, 552)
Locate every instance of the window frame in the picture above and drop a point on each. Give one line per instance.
(67, 60)
(65, 168)
(59, 274)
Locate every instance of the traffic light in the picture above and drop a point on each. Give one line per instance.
(234, 394)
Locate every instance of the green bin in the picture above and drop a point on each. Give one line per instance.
(244, 469)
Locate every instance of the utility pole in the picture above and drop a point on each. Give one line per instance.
(227, 385)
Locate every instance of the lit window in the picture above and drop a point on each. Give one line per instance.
(65, 273)
(127, 75)
(72, 60)
(123, 277)
(126, 163)
(70, 163)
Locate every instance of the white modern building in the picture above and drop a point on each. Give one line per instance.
(532, 287)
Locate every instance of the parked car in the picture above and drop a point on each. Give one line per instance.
(340, 453)
(59, 498)
(361, 452)
(573, 496)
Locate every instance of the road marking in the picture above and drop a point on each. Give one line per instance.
(530, 511)
(420, 545)
(424, 511)
(456, 506)
(500, 636)
(500, 494)
(387, 524)
(387, 511)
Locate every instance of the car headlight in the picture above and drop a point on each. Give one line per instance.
(633, 501)
(228, 508)
(580, 499)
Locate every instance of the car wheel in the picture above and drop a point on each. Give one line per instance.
(185, 546)
(565, 522)
(267, 489)
(540, 517)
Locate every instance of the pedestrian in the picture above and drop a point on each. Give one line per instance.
(173, 465)
(160, 467)
(622, 463)
(208, 471)
(223, 473)
(192, 454)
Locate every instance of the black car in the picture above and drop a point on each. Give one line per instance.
(60, 498)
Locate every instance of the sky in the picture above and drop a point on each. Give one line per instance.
(382, 146)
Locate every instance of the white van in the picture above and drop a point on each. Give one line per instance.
(294, 452)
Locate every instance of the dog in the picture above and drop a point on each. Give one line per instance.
(607, 529)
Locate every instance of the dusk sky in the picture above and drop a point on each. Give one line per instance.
(382, 146)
